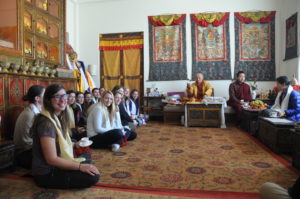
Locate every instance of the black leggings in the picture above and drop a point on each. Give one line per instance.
(65, 179)
(105, 140)
(130, 135)
(24, 159)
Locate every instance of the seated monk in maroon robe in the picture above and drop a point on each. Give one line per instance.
(239, 93)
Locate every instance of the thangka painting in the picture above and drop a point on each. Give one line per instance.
(291, 38)
(167, 47)
(210, 45)
(255, 42)
(255, 45)
(167, 44)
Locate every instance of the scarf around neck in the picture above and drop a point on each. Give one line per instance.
(65, 143)
(285, 102)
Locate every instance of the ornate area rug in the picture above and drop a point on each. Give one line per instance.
(168, 161)
(12, 188)
(179, 159)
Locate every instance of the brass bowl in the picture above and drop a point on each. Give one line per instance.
(32, 70)
(6, 66)
(24, 69)
(15, 68)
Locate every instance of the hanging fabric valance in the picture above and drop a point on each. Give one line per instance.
(204, 19)
(166, 20)
(255, 17)
(120, 44)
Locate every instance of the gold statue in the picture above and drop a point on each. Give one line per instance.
(84, 79)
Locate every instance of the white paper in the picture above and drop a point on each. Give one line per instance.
(279, 120)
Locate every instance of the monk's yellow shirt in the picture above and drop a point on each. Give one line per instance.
(193, 90)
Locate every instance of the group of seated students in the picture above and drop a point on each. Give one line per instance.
(287, 103)
(50, 128)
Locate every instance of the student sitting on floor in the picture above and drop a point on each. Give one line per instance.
(130, 135)
(53, 163)
(287, 102)
(96, 95)
(273, 191)
(101, 124)
(87, 101)
(101, 91)
(80, 117)
(71, 98)
(77, 131)
(127, 102)
(134, 107)
(124, 110)
(22, 137)
(119, 89)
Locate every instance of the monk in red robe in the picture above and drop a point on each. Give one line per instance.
(239, 93)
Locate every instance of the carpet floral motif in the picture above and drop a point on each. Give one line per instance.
(24, 189)
(175, 157)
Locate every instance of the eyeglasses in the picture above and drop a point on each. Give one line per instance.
(57, 97)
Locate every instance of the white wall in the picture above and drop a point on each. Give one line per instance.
(71, 22)
(291, 66)
(113, 16)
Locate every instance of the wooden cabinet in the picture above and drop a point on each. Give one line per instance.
(12, 89)
(33, 29)
(296, 149)
(153, 106)
(277, 136)
(199, 114)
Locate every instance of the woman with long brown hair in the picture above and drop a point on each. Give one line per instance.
(53, 164)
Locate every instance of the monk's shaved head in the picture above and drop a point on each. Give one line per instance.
(199, 77)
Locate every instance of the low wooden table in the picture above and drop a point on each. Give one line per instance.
(6, 154)
(249, 121)
(200, 114)
(276, 135)
(173, 113)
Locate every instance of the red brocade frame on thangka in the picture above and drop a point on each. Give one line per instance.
(255, 44)
(210, 45)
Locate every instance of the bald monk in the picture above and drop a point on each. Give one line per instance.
(200, 89)
(239, 93)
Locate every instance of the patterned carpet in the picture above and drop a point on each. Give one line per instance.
(24, 189)
(167, 157)
(174, 160)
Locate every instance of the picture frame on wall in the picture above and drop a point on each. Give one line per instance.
(291, 38)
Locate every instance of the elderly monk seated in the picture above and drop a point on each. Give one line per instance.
(239, 93)
(199, 89)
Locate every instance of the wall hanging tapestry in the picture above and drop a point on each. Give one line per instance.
(255, 44)
(167, 47)
(210, 45)
(291, 40)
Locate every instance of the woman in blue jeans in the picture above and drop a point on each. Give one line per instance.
(101, 128)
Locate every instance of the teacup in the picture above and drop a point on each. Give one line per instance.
(84, 140)
(246, 104)
(274, 114)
